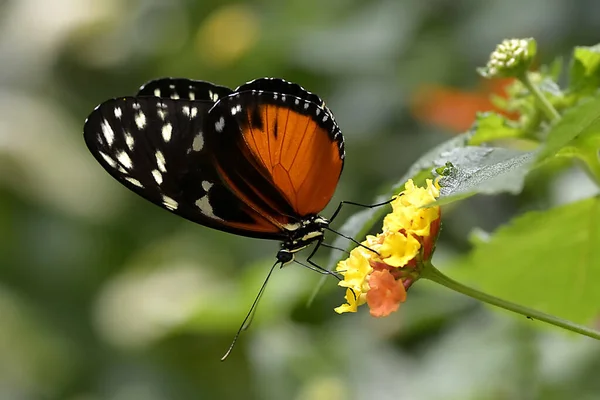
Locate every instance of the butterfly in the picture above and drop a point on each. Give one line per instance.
(262, 160)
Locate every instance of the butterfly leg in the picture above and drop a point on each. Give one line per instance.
(350, 238)
(316, 267)
(334, 248)
(343, 202)
(339, 208)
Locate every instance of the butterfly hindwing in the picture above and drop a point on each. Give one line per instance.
(158, 147)
(186, 89)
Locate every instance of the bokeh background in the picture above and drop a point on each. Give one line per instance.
(106, 296)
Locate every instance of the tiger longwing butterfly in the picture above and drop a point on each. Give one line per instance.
(261, 161)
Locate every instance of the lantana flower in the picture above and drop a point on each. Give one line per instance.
(379, 272)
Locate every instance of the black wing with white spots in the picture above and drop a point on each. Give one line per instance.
(185, 89)
(158, 148)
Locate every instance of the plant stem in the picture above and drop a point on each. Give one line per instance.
(433, 274)
(546, 107)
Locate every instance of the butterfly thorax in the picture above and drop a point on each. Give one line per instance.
(301, 235)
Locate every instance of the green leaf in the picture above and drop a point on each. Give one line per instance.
(581, 120)
(491, 126)
(482, 170)
(432, 157)
(585, 68)
(549, 261)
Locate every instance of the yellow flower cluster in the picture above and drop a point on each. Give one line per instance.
(381, 275)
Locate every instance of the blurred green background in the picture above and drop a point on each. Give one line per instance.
(106, 296)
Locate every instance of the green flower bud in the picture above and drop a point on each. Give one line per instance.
(511, 58)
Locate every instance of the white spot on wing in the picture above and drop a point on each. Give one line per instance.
(129, 140)
(160, 161)
(140, 120)
(167, 131)
(157, 92)
(185, 110)
(220, 124)
(134, 181)
(213, 96)
(206, 185)
(108, 133)
(194, 112)
(198, 142)
(170, 203)
(162, 114)
(125, 160)
(204, 205)
(192, 95)
(108, 159)
(157, 176)
(118, 112)
(175, 96)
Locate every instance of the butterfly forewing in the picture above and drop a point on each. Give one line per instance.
(291, 145)
(186, 89)
(158, 148)
(281, 86)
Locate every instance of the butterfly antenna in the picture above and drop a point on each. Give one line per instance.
(246, 322)
(351, 239)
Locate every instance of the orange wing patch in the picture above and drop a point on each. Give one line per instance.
(302, 160)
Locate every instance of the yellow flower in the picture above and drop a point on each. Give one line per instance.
(355, 270)
(398, 248)
(391, 259)
(409, 211)
(352, 302)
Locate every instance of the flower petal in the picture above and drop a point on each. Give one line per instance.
(385, 294)
(352, 302)
(398, 249)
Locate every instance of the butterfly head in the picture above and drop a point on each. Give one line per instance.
(300, 236)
